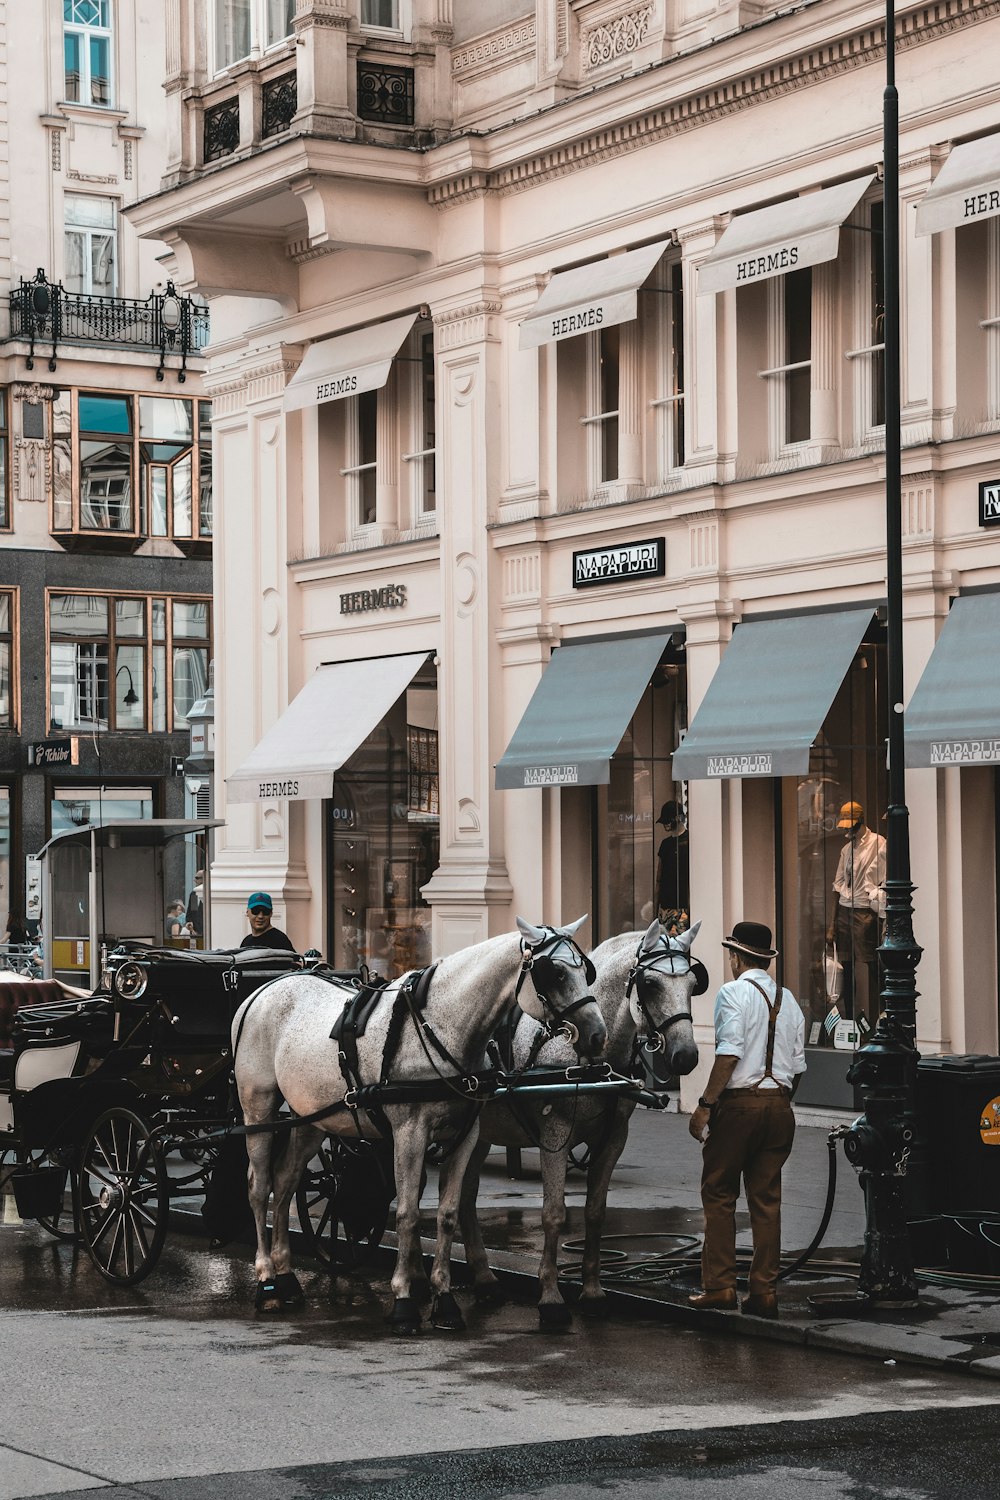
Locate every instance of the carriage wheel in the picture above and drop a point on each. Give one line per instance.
(124, 1197)
(348, 1187)
(63, 1225)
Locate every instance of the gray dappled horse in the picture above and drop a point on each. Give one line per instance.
(644, 986)
(282, 1048)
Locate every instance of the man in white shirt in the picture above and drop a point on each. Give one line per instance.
(860, 887)
(747, 1111)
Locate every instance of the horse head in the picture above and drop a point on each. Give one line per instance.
(554, 986)
(663, 979)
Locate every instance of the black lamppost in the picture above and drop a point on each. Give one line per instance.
(886, 1068)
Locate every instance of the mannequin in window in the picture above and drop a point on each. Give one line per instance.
(860, 888)
(673, 869)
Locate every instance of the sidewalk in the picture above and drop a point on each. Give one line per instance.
(654, 1203)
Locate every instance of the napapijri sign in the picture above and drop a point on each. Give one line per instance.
(739, 765)
(989, 503)
(621, 564)
(965, 752)
(551, 775)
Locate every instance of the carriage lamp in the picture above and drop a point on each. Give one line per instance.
(130, 981)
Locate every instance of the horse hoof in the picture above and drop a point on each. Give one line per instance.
(490, 1294)
(267, 1298)
(289, 1289)
(553, 1316)
(593, 1307)
(446, 1313)
(405, 1317)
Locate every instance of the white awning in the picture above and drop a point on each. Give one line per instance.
(593, 296)
(347, 365)
(967, 188)
(321, 728)
(785, 237)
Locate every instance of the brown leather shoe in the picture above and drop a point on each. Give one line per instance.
(760, 1305)
(722, 1299)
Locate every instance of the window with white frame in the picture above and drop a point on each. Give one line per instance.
(668, 404)
(394, 427)
(244, 28)
(91, 245)
(789, 372)
(600, 421)
(421, 458)
(380, 14)
(868, 358)
(360, 470)
(87, 45)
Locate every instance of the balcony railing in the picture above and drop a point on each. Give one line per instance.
(43, 312)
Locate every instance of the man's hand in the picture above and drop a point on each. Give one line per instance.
(699, 1121)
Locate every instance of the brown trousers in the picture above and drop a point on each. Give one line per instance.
(750, 1136)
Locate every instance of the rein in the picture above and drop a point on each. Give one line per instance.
(543, 953)
(652, 962)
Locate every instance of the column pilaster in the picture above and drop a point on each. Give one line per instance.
(709, 363)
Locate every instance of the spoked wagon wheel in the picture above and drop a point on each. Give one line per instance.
(348, 1186)
(62, 1225)
(124, 1197)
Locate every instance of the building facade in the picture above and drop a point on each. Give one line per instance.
(548, 444)
(106, 478)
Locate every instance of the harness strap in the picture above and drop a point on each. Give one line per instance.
(773, 1008)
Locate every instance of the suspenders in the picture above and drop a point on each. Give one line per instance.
(772, 1021)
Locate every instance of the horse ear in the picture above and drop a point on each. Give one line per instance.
(653, 934)
(685, 939)
(528, 931)
(573, 927)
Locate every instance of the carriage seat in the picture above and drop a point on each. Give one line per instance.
(15, 995)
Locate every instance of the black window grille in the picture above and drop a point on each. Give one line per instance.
(222, 129)
(385, 95)
(280, 100)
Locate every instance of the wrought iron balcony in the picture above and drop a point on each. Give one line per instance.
(43, 312)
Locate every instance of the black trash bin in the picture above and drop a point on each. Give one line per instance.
(958, 1111)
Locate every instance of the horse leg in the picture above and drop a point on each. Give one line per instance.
(552, 1310)
(410, 1137)
(259, 1105)
(300, 1145)
(487, 1288)
(445, 1311)
(603, 1160)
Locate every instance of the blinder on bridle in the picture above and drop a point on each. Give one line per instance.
(542, 956)
(664, 958)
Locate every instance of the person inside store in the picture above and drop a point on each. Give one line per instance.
(262, 935)
(176, 927)
(860, 888)
(16, 934)
(744, 1119)
(194, 916)
(673, 869)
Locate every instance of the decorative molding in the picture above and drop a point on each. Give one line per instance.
(31, 469)
(300, 251)
(499, 45)
(522, 578)
(844, 54)
(34, 394)
(105, 179)
(918, 499)
(467, 325)
(128, 152)
(615, 38)
(703, 539)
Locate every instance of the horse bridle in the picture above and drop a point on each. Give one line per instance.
(543, 952)
(652, 962)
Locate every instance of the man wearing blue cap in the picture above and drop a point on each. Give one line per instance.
(262, 934)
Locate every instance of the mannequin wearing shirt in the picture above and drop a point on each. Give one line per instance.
(860, 887)
(746, 1110)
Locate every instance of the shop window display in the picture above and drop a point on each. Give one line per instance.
(833, 871)
(383, 841)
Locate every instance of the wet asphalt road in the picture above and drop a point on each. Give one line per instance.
(175, 1390)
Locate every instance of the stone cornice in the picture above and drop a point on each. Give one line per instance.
(800, 69)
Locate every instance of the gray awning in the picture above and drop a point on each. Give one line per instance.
(783, 237)
(322, 727)
(579, 712)
(954, 714)
(597, 295)
(966, 189)
(767, 701)
(347, 365)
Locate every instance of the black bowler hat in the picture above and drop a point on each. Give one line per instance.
(752, 938)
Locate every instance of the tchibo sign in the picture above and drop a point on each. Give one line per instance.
(620, 564)
(989, 503)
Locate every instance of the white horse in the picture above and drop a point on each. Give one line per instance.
(644, 986)
(282, 1048)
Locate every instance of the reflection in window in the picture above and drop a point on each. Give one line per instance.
(76, 807)
(87, 51)
(4, 459)
(797, 294)
(877, 313)
(6, 660)
(380, 13)
(233, 35)
(91, 241)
